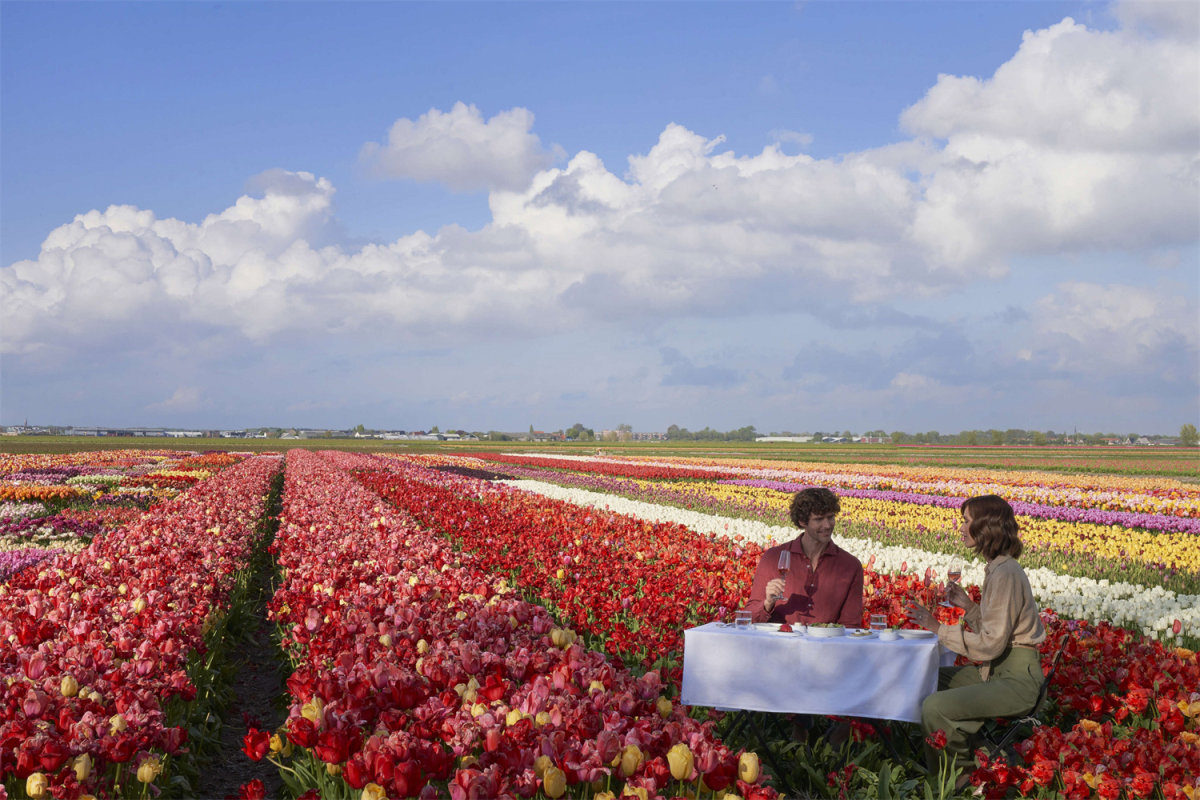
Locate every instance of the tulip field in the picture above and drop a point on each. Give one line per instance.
(499, 625)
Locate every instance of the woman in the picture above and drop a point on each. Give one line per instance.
(1002, 633)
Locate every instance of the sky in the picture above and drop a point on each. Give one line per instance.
(799, 216)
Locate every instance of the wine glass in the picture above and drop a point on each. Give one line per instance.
(953, 575)
(785, 562)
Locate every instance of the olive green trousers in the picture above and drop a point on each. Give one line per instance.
(964, 701)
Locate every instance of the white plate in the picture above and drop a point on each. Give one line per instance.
(906, 634)
(825, 633)
(860, 634)
(766, 626)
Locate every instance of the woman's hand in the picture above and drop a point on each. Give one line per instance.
(923, 617)
(957, 596)
(774, 593)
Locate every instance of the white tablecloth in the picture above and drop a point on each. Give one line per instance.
(759, 670)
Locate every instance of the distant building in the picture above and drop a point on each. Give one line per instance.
(795, 439)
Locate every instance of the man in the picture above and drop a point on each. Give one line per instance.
(824, 582)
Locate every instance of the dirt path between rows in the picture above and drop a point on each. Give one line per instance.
(258, 684)
(258, 687)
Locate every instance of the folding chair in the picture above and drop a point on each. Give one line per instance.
(1001, 734)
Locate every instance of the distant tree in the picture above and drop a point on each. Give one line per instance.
(1039, 438)
(580, 433)
(531, 431)
(899, 437)
(972, 438)
(434, 429)
(1133, 437)
(997, 436)
(744, 434)
(672, 432)
(848, 434)
(359, 428)
(1187, 435)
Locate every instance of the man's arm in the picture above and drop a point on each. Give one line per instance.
(852, 606)
(758, 591)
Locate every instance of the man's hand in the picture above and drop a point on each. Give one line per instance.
(774, 593)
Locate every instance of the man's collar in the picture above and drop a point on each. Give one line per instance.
(797, 547)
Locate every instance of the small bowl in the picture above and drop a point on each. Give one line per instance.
(888, 635)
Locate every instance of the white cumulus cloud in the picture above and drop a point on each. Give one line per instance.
(1083, 139)
(1116, 329)
(462, 150)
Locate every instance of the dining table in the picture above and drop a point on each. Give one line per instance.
(826, 672)
(856, 674)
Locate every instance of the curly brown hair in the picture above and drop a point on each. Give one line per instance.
(993, 526)
(813, 500)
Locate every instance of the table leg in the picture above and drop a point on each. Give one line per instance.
(888, 735)
(768, 753)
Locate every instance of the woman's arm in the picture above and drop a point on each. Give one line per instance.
(995, 617)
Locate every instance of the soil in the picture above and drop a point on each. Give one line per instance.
(468, 472)
(258, 686)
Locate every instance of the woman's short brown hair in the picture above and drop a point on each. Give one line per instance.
(993, 526)
(813, 500)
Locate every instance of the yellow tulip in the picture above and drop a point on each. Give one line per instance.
(36, 786)
(82, 766)
(631, 759)
(373, 791)
(69, 686)
(639, 792)
(313, 710)
(554, 782)
(748, 769)
(679, 758)
(541, 764)
(149, 769)
(664, 707)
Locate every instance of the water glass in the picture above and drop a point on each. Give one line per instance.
(742, 619)
(879, 622)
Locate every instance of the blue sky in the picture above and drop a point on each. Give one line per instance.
(797, 216)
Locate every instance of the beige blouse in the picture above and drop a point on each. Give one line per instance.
(1006, 615)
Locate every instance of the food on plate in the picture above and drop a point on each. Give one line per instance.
(860, 634)
(826, 625)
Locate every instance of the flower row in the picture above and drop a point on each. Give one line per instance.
(1090, 551)
(1152, 611)
(1113, 685)
(100, 642)
(1126, 519)
(1168, 497)
(419, 673)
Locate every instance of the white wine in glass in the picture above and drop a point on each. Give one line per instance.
(953, 575)
(785, 562)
